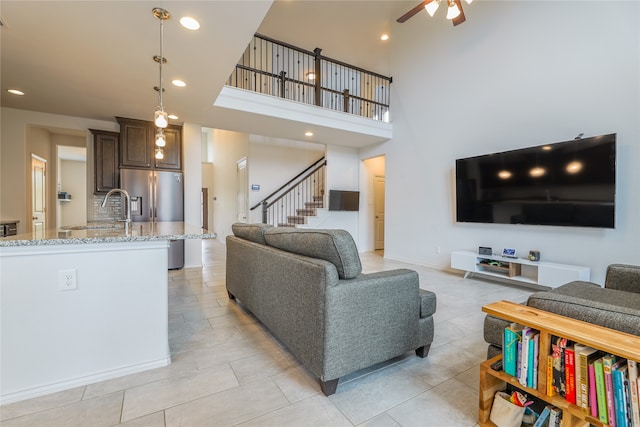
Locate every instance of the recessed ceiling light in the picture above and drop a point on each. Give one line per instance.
(173, 117)
(189, 23)
(15, 91)
(384, 37)
(178, 83)
(308, 133)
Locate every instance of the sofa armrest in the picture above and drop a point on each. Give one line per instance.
(623, 277)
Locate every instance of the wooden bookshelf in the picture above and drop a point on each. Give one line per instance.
(608, 340)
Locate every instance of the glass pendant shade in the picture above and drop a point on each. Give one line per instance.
(453, 11)
(432, 6)
(159, 153)
(161, 119)
(468, 1)
(161, 139)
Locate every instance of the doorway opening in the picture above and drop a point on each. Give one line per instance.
(374, 176)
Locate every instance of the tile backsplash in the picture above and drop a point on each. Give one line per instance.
(112, 211)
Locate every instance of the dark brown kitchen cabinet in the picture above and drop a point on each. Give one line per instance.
(106, 173)
(137, 145)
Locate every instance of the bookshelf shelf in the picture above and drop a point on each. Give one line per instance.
(608, 340)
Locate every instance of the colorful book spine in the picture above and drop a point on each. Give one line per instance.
(543, 419)
(570, 374)
(555, 417)
(593, 396)
(633, 385)
(585, 356)
(532, 371)
(607, 362)
(524, 356)
(512, 335)
(557, 351)
(603, 415)
(551, 391)
(619, 395)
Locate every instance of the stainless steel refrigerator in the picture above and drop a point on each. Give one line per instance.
(157, 196)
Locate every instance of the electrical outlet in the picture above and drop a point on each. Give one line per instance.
(67, 280)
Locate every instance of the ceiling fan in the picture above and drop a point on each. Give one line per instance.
(454, 10)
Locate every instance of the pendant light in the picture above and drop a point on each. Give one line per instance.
(160, 117)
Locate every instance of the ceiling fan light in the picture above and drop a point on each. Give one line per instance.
(453, 11)
(161, 119)
(468, 1)
(432, 7)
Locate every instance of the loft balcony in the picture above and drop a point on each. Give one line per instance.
(279, 69)
(292, 88)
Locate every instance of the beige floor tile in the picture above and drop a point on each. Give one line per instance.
(42, 403)
(449, 404)
(98, 412)
(152, 420)
(368, 397)
(159, 395)
(297, 384)
(228, 408)
(382, 420)
(262, 365)
(314, 411)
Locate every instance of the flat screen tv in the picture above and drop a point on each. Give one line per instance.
(344, 200)
(571, 183)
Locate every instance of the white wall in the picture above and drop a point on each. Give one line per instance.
(15, 159)
(192, 166)
(227, 148)
(343, 172)
(515, 74)
(72, 174)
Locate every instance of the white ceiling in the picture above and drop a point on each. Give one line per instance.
(93, 59)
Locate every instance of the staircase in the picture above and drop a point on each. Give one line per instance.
(302, 214)
(301, 198)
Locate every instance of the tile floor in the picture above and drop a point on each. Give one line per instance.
(227, 370)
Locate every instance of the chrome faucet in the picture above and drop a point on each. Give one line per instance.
(128, 202)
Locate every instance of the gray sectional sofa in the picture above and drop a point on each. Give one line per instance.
(616, 306)
(306, 286)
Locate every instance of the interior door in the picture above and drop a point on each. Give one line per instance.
(242, 190)
(38, 195)
(378, 207)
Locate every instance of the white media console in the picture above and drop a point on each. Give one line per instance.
(518, 269)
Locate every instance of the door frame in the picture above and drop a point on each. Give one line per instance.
(31, 199)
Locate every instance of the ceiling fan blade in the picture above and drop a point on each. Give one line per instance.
(412, 12)
(460, 18)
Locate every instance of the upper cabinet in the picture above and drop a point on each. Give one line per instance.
(137, 145)
(105, 161)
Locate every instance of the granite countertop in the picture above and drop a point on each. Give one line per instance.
(109, 232)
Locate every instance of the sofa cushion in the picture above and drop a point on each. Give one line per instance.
(252, 232)
(334, 246)
(427, 303)
(590, 303)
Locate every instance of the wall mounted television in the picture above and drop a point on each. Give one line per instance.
(340, 200)
(570, 183)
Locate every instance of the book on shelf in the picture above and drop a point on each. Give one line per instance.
(620, 392)
(543, 419)
(570, 373)
(558, 345)
(555, 417)
(584, 355)
(512, 336)
(525, 358)
(551, 391)
(601, 390)
(593, 397)
(633, 385)
(607, 362)
(532, 371)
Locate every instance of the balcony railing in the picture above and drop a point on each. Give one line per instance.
(275, 68)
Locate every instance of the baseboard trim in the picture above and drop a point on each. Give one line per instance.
(81, 381)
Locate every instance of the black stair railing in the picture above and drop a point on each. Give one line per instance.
(276, 68)
(298, 198)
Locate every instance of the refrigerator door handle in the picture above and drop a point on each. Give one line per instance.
(151, 195)
(155, 197)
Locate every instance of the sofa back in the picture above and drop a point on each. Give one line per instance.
(334, 246)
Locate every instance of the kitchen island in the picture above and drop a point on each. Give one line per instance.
(84, 305)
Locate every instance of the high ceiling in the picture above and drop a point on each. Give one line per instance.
(93, 59)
